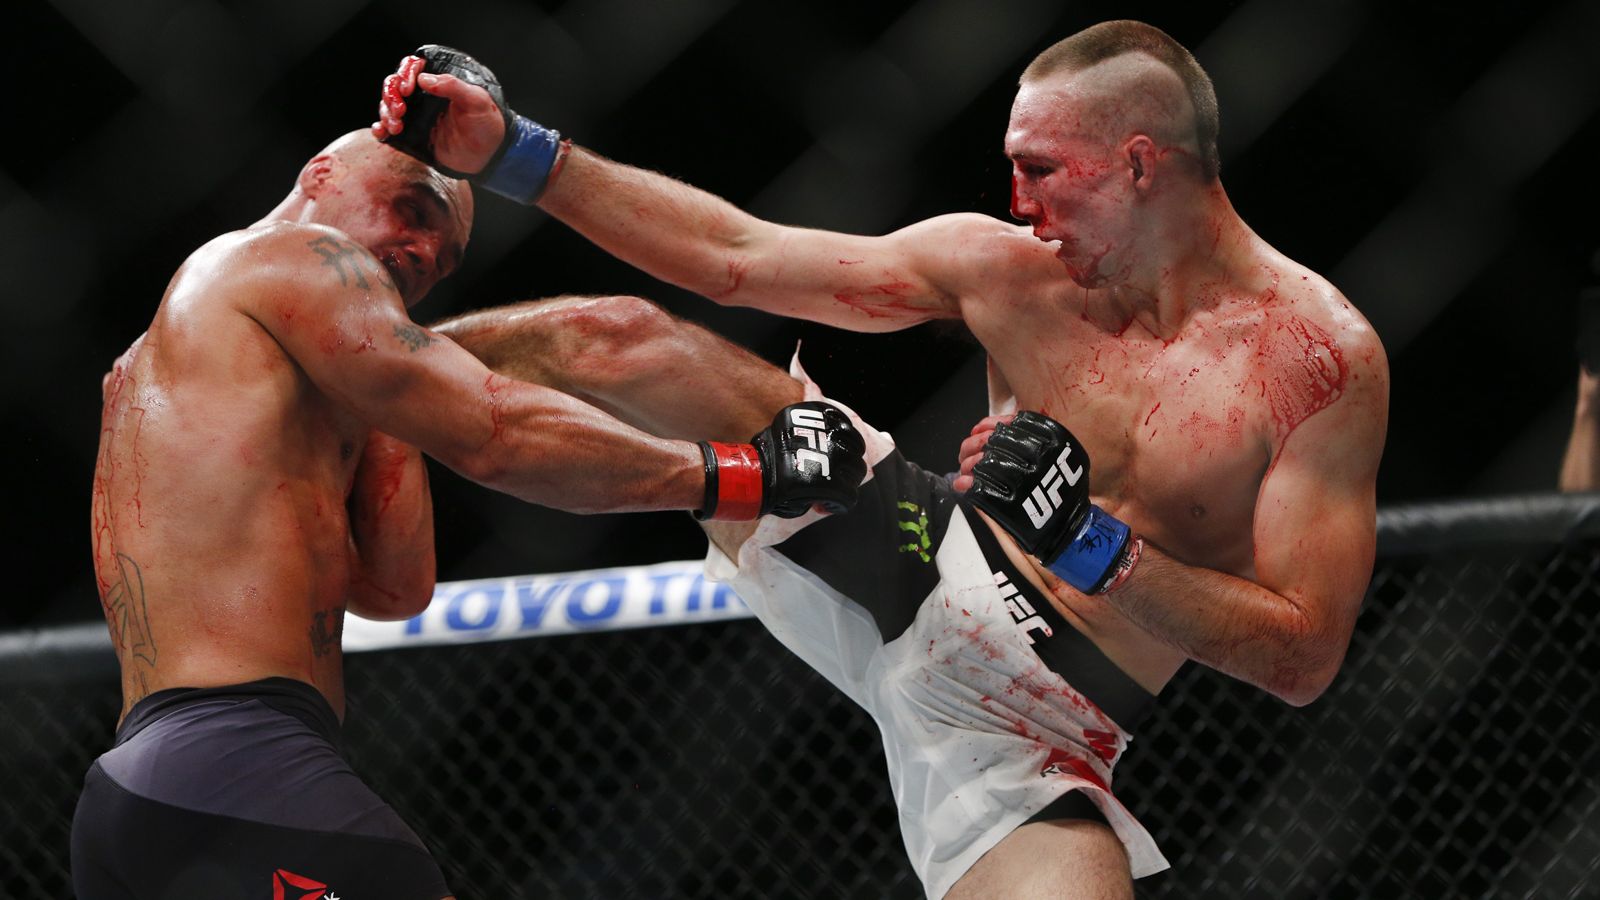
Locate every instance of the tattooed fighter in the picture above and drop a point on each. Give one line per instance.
(1233, 402)
(259, 477)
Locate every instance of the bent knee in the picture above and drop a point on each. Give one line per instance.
(617, 333)
(619, 319)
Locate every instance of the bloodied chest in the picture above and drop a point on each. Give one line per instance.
(1180, 432)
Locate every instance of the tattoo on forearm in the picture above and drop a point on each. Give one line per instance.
(351, 261)
(129, 614)
(327, 625)
(413, 336)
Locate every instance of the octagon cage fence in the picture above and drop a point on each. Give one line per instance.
(651, 740)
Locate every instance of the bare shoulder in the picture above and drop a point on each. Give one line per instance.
(280, 267)
(1314, 300)
(1314, 351)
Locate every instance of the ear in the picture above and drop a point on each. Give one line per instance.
(316, 175)
(1140, 154)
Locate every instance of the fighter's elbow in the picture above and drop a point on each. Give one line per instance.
(1305, 674)
(1301, 692)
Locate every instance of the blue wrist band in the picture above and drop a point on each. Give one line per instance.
(1088, 561)
(524, 164)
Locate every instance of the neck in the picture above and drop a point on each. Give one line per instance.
(294, 208)
(1195, 244)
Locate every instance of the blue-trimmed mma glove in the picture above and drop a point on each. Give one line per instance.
(1033, 479)
(810, 454)
(519, 168)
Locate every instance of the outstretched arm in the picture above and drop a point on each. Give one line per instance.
(329, 304)
(631, 358)
(702, 243)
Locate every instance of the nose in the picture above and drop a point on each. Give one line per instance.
(423, 251)
(1023, 206)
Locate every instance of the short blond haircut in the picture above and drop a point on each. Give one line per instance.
(1112, 39)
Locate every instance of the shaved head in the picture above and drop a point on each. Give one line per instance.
(413, 218)
(359, 150)
(1133, 77)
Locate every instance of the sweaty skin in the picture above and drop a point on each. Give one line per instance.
(259, 472)
(1233, 402)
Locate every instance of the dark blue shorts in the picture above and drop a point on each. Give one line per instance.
(239, 791)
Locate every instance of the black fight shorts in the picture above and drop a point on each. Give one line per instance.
(239, 792)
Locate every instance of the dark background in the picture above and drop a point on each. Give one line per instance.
(1439, 167)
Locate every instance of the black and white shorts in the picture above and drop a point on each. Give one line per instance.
(992, 707)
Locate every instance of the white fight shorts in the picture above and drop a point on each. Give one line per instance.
(993, 709)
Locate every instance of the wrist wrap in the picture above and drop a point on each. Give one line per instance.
(733, 482)
(520, 169)
(1091, 558)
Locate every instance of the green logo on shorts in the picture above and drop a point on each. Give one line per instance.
(918, 531)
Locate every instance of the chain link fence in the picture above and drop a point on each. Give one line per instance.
(1454, 756)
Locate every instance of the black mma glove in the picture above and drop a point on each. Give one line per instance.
(809, 455)
(1033, 480)
(520, 167)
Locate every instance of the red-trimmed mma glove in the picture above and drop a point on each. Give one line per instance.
(809, 455)
(520, 166)
(1033, 480)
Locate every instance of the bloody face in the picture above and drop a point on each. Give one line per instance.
(1068, 181)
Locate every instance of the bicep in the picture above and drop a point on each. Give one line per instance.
(1316, 514)
(362, 351)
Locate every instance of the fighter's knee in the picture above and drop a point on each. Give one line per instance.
(619, 338)
(625, 320)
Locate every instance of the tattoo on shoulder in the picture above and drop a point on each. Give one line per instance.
(351, 261)
(413, 336)
(327, 625)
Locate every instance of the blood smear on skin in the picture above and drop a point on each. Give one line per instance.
(1302, 372)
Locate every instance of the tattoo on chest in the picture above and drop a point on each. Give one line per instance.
(413, 336)
(353, 263)
(128, 613)
(327, 625)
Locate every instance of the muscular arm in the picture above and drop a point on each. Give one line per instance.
(1315, 539)
(332, 310)
(702, 243)
(391, 524)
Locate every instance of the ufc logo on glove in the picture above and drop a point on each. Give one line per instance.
(810, 427)
(1046, 497)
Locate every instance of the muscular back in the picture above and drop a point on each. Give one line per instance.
(222, 545)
